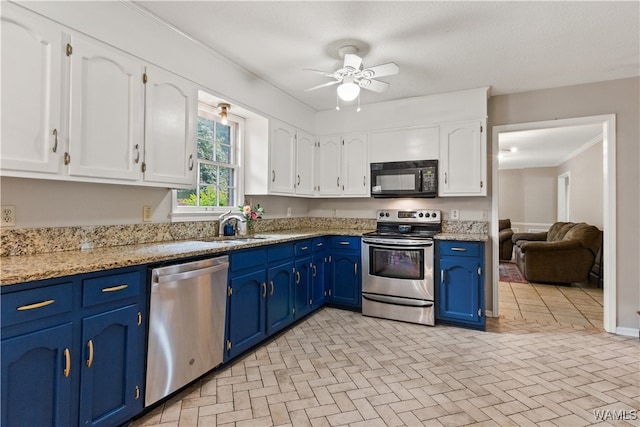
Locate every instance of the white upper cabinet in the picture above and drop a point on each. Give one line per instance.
(107, 104)
(282, 158)
(463, 152)
(32, 55)
(328, 164)
(355, 168)
(305, 149)
(170, 128)
(398, 145)
(342, 167)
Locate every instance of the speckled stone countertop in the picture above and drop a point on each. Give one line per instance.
(463, 237)
(26, 268)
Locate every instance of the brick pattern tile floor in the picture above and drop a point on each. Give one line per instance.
(577, 305)
(341, 368)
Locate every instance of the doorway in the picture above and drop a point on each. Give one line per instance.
(563, 197)
(609, 206)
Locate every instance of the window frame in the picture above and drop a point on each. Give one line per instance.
(207, 213)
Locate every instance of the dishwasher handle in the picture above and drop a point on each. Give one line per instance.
(160, 278)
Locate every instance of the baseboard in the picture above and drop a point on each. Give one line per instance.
(628, 332)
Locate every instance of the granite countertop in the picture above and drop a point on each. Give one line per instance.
(463, 237)
(26, 268)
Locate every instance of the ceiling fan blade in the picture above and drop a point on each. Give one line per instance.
(322, 85)
(324, 73)
(373, 85)
(388, 69)
(352, 60)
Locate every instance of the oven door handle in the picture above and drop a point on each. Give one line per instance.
(391, 244)
(405, 302)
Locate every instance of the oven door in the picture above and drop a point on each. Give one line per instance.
(398, 268)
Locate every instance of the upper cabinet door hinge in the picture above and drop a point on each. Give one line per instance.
(69, 49)
(144, 78)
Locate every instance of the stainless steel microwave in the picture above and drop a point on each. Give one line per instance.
(418, 178)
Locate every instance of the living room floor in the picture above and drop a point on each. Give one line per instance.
(579, 305)
(338, 367)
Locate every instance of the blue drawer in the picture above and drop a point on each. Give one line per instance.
(452, 248)
(280, 252)
(24, 306)
(345, 242)
(303, 248)
(248, 259)
(112, 287)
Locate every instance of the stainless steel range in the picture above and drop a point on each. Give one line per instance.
(397, 266)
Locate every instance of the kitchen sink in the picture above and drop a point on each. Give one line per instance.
(233, 239)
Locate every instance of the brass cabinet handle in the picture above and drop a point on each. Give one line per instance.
(115, 288)
(67, 362)
(191, 163)
(272, 287)
(55, 140)
(36, 305)
(264, 290)
(90, 359)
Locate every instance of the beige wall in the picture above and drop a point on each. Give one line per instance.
(586, 196)
(619, 97)
(528, 195)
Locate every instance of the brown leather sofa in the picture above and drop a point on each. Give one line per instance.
(564, 254)
(504, 235)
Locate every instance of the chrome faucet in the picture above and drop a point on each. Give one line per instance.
(222, 219)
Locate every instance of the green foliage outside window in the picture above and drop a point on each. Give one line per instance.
(215, 167)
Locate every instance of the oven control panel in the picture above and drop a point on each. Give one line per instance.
(420, 216)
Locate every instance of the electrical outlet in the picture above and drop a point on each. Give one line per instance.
(146, 213)
(8, 218)
(288, 212)
(455, 214)
(485, 215)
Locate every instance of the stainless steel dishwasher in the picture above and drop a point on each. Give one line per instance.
(186, 324)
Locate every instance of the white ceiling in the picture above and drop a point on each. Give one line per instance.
(545, 147)
(439, 46)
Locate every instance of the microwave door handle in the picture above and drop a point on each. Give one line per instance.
(419, 186)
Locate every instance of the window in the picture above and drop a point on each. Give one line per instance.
(219, 175)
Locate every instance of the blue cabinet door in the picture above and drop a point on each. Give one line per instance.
(110, 381)
(36, 378)
(302, 287)
(280, 311)
(246, 312)
(345, 278)
(460, 290)
(318, 280)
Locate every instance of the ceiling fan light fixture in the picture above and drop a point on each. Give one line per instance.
(224, 109)
(348, 91)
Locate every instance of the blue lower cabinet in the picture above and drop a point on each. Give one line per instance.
(460, 289)
(36, 378)
(302, 285)
(73, 349)
(246, 312)
(280, 312)
(319, 276)
(346, 287)
(109, 384)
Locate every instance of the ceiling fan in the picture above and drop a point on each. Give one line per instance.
(352, 76)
